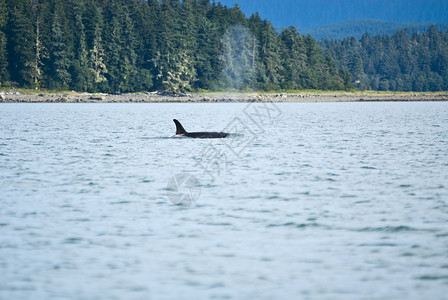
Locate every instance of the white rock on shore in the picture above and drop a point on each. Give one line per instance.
(150, 97)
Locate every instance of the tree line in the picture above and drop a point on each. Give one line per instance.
(400, 62)
(357, 28)
(146, 45)
(180, 46)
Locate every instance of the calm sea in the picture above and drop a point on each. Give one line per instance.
(302, 201)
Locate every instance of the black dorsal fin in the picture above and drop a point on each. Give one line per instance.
(179, 128)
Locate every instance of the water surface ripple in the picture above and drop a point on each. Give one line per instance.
(332, 201)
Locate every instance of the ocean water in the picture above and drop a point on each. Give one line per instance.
(302, 201)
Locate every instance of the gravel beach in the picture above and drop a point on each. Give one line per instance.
(155, 97)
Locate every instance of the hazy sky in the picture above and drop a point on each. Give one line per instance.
(313, 13)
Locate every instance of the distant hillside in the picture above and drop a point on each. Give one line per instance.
(316, 13)
(399, 62)
(357, 28)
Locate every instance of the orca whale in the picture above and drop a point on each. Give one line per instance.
(181, 132)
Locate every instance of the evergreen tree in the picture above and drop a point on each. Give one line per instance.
(97, 65)
(207, 63)
(4, 75)
(60, 55)
(173, 61)
(82, 75)
(294, 58)
(128, 68)
(20, 39)
(44, 11)
(355, 65)
(269, 65)
(113, 44)
(38, 47)
(143, 15)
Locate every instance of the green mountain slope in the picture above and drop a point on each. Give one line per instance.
(357, 28)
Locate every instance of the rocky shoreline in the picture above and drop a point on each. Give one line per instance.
(156, 97)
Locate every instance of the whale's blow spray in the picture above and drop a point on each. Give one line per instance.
(239, 56)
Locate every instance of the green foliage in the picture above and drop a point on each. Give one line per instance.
(401, 62)
(60, 55)
(4, 74)
(169, 45)
(81, 73)
(97, 65)
(20, 42)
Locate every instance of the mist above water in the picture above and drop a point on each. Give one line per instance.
(239, 56)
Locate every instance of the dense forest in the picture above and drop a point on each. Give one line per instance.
(179, 46)
(168, 45)
(401, 62)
